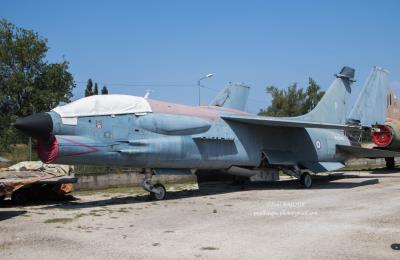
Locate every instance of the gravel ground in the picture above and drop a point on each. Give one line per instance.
(346, 218)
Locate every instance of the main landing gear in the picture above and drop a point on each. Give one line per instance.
(390, 163)
(304, 177)
(306, 180)
(157, 191)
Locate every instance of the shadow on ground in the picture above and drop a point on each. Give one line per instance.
(216, 188)
(38, 201)
(10, 214)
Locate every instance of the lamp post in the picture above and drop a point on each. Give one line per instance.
(199, 84)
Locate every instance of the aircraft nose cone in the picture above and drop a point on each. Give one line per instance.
(38, 126)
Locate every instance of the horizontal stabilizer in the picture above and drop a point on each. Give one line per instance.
(360, 152)
(274, 121)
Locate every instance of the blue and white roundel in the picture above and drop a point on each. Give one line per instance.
(318, 144)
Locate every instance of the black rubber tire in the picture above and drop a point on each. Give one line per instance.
(20, 197)
(306, 180)
(162, 196)
(2, 198)
(390, 163)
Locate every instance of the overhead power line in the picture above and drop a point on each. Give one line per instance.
(180, 85)
(140, 84)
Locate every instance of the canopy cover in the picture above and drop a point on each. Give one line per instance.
(104, 105)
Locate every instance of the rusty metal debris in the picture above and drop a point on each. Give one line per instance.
(22, 178)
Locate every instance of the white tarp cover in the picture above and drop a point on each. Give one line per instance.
(104, 105)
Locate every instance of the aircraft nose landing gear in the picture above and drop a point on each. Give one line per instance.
(157, 191)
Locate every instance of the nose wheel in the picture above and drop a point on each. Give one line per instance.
(157, 191)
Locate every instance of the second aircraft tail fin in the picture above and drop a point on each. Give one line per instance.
(370, 106)
(232, 96)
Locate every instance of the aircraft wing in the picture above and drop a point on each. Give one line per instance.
(360, 152)
(282, 122)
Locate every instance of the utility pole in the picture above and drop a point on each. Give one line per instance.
(30, 148)
(30, 142)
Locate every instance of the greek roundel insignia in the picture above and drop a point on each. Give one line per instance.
(318, 144)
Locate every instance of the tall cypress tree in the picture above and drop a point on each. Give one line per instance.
(104, 90)
(96, 89)
(89, 88)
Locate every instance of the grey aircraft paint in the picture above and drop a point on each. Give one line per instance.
(370, 108)
(178, 138)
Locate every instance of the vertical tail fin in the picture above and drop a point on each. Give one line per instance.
(332, 108)
(370, 106)
(232, 96)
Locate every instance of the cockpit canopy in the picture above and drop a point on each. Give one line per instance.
(104, 105)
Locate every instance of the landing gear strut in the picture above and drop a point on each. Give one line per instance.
(157, 191)
(304, 177)
(390, 163)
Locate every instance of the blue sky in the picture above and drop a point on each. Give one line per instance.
(166, 46)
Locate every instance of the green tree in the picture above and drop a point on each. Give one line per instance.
(313, 96)
(89, 88)
(28, 82)
(104, 90)
(96, 89)
(292, 101)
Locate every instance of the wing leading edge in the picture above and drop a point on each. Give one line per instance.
(282, 122)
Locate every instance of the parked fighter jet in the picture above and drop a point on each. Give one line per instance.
(168, 138)
(387, 135)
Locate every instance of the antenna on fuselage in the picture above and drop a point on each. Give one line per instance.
(148, 92)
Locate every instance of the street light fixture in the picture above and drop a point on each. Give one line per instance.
(199, 84)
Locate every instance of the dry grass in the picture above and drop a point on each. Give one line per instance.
(18, 153)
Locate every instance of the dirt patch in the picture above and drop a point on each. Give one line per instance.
(58, 220)
(209, 248)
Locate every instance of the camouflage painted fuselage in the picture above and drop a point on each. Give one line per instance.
(178, 136)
